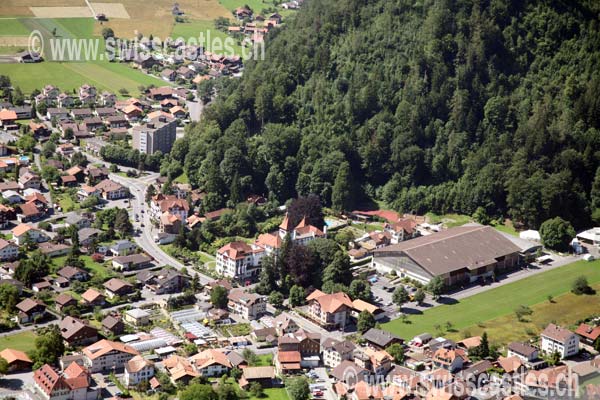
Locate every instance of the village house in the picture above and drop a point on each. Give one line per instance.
(137, 370)
(30, 310)
(524, 352)
(8, 250)
(113, 325)
(131, 262)
(93, 298)
(588, 334)
(137, 317)
(249, 305)
(111, 190)
(448, 359)
(7, 214)
(331, 311)
(64, 300)
(21, 233)
(16, 360)
(333, 351)
(264, 376)
(284, 324)
(211, 363)
(559, 340)
(117, 287)
(105, 356)
(164, 281)
(71, 384)
(380, 339)
(54, 249)
(122, 248)
(73, 273)
(76, 332)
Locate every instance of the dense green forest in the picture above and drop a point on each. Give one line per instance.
(427, 105)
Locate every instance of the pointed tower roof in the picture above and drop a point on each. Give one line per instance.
(286, 225)
(302, 223)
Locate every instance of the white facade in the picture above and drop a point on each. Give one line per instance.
(566, 348)
(131, 378)
(9, 252)
(245, 265)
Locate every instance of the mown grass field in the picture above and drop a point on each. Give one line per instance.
(195, 28)
(13, 27)
(23, 341)
(70, 75)
(273, 394)
(482, 308)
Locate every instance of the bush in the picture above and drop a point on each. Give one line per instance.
(581, 286)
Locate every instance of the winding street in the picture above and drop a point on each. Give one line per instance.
(137, 188)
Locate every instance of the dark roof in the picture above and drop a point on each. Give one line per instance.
(522, 349)
(379, 337)
(454, 249)
(347, 368)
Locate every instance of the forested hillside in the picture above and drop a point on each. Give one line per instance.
(432, 105)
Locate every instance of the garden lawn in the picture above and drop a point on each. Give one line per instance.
(273, 394)
(507, 228)
(95, 268)
(497, 302)
(23, 341)
(264, 360)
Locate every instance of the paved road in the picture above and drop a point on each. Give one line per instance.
(137, 187)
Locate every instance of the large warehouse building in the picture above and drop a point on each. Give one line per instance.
(459, 255)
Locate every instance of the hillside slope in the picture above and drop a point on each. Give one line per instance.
(433, 105)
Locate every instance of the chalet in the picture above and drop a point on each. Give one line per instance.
(178, 112)
(30, 180)
(137, 370)
(168, 75)
(132, 112)
(164, 281)
(451, 360)
(7, 118)
(117, 287)
(105, 112)
(117, 121)
(23, 112)
(54, 249)
(38, 129)
(93, 298)
(113, 325)
(380, 339)
(160, 93)
(73, 273)
(184, 73)
(30, 310)
(80, 221)
(57, 113)
(111, 190)
(131, 262)
(211, 363)
(16, 360)
(22, 232)
(122, 248)
(64, 300)
(105, 355)
(331, 311)
(264, 376)
(76, 332)
(8, 250)
(81, 113)
(242, 13)
(93, 123)
(108, 99)
(65, 149)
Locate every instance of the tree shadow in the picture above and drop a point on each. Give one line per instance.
(447, 300)
(411, 311)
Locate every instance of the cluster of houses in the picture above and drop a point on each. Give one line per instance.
(254, 28)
